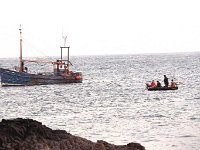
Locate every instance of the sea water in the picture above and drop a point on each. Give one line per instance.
(112, 103)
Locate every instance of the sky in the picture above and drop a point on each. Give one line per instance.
(99, 27)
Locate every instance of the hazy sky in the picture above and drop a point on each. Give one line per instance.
(96, 27)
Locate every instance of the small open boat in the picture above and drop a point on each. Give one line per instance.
(161, 88)
(20, 76)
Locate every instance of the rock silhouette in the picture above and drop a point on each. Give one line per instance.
(28, 134)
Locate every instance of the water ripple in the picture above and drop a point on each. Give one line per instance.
(112, 104)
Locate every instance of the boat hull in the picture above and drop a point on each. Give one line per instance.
(14, 78)
(161, 88)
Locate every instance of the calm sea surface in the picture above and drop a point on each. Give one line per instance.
(112, 104)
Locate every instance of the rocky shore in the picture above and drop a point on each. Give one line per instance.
(28, 134)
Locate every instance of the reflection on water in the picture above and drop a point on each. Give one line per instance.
(112, 104)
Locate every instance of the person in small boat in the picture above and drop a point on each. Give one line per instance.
(173, 84)
(158, 84)
(166, 82)
(153, 84)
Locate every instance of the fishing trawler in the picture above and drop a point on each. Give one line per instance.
(20, 76)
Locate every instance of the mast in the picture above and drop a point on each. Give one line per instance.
(68, 57)
(62, 47)
(67, 53)
(20, 58)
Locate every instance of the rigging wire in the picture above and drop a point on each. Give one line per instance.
(35, 50)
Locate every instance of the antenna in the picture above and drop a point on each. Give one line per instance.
(64, 38)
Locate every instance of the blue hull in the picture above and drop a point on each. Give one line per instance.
(14, 78)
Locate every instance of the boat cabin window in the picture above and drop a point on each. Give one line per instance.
(59, 68)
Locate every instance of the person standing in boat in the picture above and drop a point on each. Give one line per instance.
(166, 82)
(158, 84)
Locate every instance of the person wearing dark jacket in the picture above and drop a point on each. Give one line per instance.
(158, 84)
(166, 82)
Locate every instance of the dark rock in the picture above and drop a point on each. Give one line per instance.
(28, 134)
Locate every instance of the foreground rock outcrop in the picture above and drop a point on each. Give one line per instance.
(28, 134)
